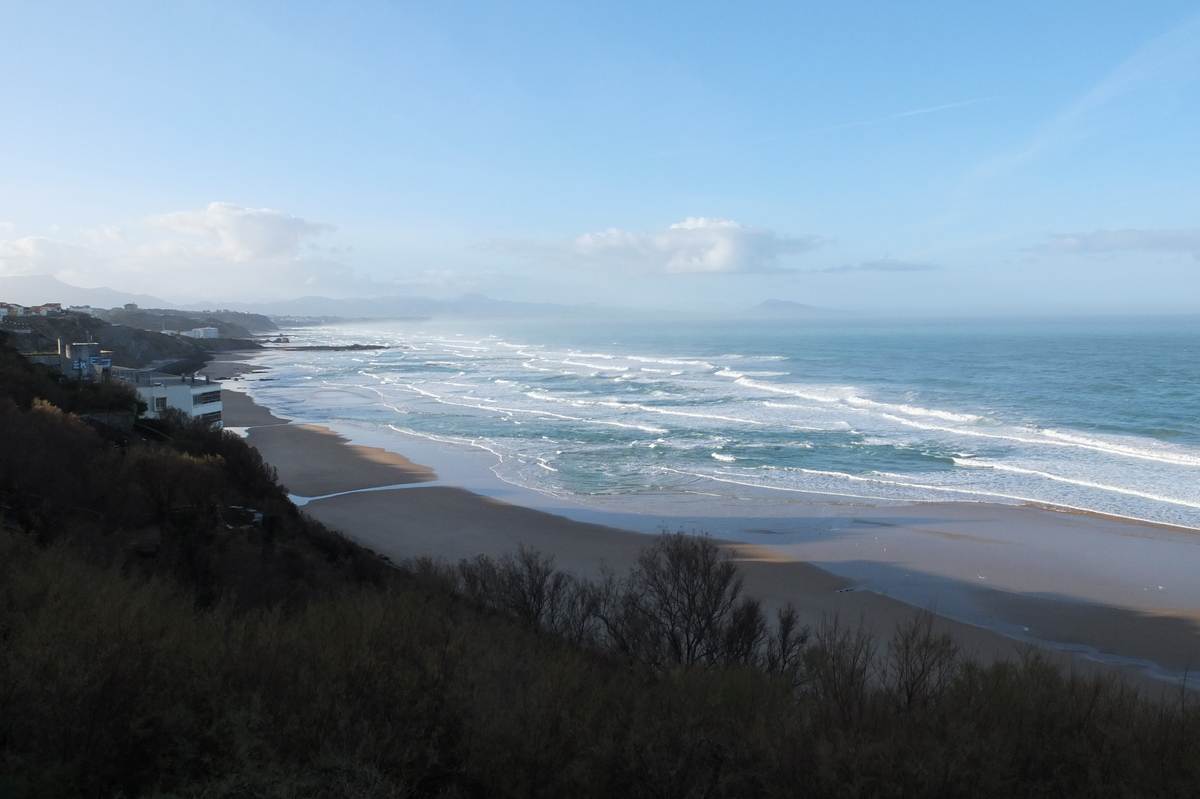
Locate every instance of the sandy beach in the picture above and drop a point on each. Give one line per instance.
(1000, 577)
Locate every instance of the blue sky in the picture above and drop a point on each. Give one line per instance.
(994, 157)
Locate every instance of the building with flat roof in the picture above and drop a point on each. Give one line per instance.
(197, 398)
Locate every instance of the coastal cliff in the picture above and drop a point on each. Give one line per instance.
(131, 346)
(229, 324)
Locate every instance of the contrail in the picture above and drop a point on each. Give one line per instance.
(842, 126)
(879, 121)
(1172, 60)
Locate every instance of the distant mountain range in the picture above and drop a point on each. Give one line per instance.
(398, 307)
(786, 309)
(40, 289)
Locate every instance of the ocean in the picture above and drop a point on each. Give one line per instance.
(1090, 414)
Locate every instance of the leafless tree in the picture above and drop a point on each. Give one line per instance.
(840, 663)
(920, 662)
(785, 646)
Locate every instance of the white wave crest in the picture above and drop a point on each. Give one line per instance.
(1147, 450)
(846, 397)
(978, 463)
(672, 361)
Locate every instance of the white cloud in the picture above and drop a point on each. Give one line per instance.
(698, 245)
(7, 227)
(35, 255)
(1146, 240)
(884, 265)
(238, 234)
(223, 250)
(105, 235)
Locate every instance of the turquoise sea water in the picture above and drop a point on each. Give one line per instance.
(1099, 414)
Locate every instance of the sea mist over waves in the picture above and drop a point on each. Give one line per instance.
(1101, 415)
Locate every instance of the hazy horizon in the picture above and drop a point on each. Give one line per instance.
(998, 158)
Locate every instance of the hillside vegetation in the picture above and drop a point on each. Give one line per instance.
(229, 324)
(171, 625)
(131, 346)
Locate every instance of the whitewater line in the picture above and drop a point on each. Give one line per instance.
(300, 501)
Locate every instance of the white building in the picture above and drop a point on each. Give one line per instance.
(198, 398)
(203, 332)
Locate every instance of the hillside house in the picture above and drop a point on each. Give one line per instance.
(197, 398)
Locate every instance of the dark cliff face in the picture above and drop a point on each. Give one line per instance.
(130, 346)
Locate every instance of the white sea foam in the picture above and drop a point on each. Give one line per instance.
(851, 400)
(1146, 450)
(602, 355)
(461, 403)
(598, 367)
(672, 361)
(1007, 467)
(913, 410)
(877, 479)
(634, 406)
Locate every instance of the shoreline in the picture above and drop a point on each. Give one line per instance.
(1112, 517)
(348, 482)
